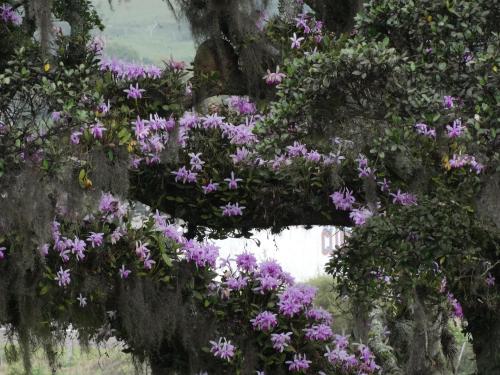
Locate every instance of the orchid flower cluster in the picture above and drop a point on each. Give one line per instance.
(9, 16)
(287, 321)
(113, 222)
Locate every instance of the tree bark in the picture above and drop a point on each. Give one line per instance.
(486, 341)
(426, 355)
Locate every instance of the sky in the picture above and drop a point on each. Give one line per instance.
(298, 250)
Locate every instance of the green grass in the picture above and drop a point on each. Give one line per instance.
(75, 361)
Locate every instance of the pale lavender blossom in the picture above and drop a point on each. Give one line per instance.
(490, 280)
(43, 249)
(274, 78)
(212, 121)
(448, 102)
(343, 199)
(148, 262)
(8, 15)
(117, 234)
(241, 155)
(280, 340)
(75, 137)
(196, 162)
(359, 216)
(56, 116)
(232, 209)
(319, 315)
(237, 283)
(296, 41)
(3, 249)
(134, 92)
(97, 130)
(296, 299)
(189, 120)
(210, 187)
(425, 130)
(82, 300)
(95, 239)
(246, 262)
(141, 128)
(297, 149)
(141, 250)
(313, 156)
(63, 277)
(232, 182)
(264, 321)
(222, 349)
(299, 363)
(78, 248)
(455, 130)
(384, 185)
(123, 272)
(242, 105)
(404, 199)
(318, 332)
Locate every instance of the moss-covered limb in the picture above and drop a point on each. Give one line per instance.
(378, 341)
(269, 203)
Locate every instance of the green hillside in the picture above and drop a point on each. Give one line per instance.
(144, 31)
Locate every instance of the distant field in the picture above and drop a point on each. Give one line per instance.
(144, 31)
(76, 362)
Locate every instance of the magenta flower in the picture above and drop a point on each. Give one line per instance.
(78, 247)
(274, 78)
(141, 128)
(141, 250)
(241, 155)
(299, 363)
(210, 187)
(448, 102)
(280, 340)
(232, 182)
(148, 262)
(63, 277)
(313, 156)
(134, 92)
(264, 321)
(296, 41)
(75, 137)
(384, 185)
(320, 332)
(123, 272)
(404, 199)
(189, 120)
(319, 315)
(242, 105)
(97, 130)
(359, 216)
(212, 121)
(425, 130)
(222, 349)
(298, 149)
(153, 72)
(490, 280)
(95, 239)
(246, 262)
(237, 283)
(232, 209)
(343, 199)
(456, 129)
(295, 299)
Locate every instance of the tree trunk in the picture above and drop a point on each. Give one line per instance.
(486, 343)
(426, 355)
